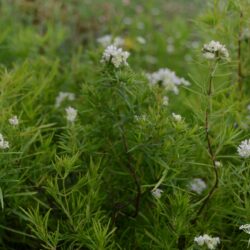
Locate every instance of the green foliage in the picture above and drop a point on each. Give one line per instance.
(92, 183)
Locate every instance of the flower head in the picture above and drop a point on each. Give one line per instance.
(63, 96)
(244, 149)
(71, 114)
(246, 229)
(157, 193)
(197, 185)
(215, 50)
(3, 143)
(141, 40)
(167, 79)
(107, 40)
(115, 55)
(165, 100)
(14, 121)
(177, 117)
(210, 242)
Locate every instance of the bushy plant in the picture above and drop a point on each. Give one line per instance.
(126, 131)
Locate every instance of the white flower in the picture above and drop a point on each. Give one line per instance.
(211, 242)
(244, 149)
(197, 185)
(167, 79)
(157, 193)
(115, 55)
(199, 240)
(248, 107)
(105, 40)
(214, 50)
(14, 121)
(170, 48)
(3, 143)
(140, 118)
(63, 96)
(71, 114)
(118, 41)
(165, 100)
(108, 40)
(246, 229)
(218, 164)
(141, 40)
(177, 117)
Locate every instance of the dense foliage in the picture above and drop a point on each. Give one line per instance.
(144, 144)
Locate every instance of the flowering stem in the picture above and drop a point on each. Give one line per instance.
(209, 144)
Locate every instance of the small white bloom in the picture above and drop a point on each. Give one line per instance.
(177, 117)
(115, 55)
(118, 41)
(248, 107)
(210, 242)
(246, 229)
(199, 240)
(170, 48)
(108, 40)
(197, 185)
(165, 100)
(14, 121)
(140, 118)
(157, 193)
(71, 114)
(218, 164)
(141, 40)
(62, 96)
(244, 149)
(3, 143)
(214, 50)
(167, 79)
(105, 40)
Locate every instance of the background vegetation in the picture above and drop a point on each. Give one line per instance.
(88, 184)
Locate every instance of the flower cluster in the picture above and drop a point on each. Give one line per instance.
(244, 149)
(167, 79)
(197, 185)
(14, 121)
(246, 229)
(115, 55)
(3, 143)
(206, 240)
(215, 50)
(177, 117)
(71, 114)
(157, 193)
(108, 40)
(64, 96)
